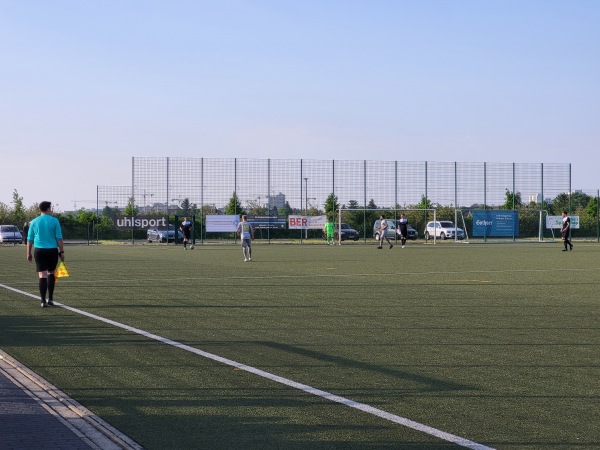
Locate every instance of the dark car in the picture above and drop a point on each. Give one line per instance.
(412, 233)
(10, 233)
(348, 233)
(162, 234)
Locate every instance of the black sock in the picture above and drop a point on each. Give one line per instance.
(43, 288)
(51, 280)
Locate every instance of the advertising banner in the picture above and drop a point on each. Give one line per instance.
(557, 222)
(307, 222)
(141, 222)
(495, 223)
(221, 223)
(264, 222)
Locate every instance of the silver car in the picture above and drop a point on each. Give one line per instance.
(10, 233)
(163, 234)
(390, 231)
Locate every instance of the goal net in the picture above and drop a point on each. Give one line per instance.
(362, 220)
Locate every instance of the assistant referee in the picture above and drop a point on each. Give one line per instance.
(45, 237)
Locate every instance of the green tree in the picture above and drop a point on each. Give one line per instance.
(131, 209)
(185, 207)
(4, 213)
(234, 206)
(372, 204)
(560, 203)
(255, 208)
(105, 224)
(591, 208)
(84, 216)
(331, 205)
(512, 200)
(425, 203)
(107, 211)
(356, 219)
(286, 210)
(579, 201)
(18, 210)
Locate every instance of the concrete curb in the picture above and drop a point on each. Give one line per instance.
(94, 431)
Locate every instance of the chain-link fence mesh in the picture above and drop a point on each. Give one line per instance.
(291, 186)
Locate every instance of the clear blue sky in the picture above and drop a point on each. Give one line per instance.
(86, 85)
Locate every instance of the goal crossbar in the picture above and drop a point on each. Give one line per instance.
(338, 213)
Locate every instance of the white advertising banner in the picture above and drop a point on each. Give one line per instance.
(306, 222)
(219, 223)
(557, 222)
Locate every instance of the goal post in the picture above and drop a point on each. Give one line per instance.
(364, 218)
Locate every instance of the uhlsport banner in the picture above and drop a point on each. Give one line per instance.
(221, 223)
(495, 223)
(141, 222)
(557, 222)
(307, 222)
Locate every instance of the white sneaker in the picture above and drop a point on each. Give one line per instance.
(403, 246)
(245, 259)
(249, 259)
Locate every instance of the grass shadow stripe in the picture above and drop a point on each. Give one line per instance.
(448, 437)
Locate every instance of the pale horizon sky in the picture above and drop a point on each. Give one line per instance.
(84, 86)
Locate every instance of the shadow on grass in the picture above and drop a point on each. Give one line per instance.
(433, 384)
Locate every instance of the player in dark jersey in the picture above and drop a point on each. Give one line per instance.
(186, 229)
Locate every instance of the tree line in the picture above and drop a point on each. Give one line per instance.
(359, 217)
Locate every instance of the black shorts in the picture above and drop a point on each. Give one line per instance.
(187, 234)
(45, 259)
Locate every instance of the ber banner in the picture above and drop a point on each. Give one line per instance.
(307, 222)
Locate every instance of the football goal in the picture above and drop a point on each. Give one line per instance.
(362, 222)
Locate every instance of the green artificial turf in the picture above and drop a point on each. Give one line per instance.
(498, 343)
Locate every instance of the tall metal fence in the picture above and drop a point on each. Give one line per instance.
(300, 185)
(158, 182)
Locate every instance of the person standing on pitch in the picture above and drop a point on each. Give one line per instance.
(566, 231)
(25, 231)
(383, 226)
(403, 229)
(246, 233)
(329, 232)
(186, 229)
(45, 237)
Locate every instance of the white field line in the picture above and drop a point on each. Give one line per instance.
(285, 381)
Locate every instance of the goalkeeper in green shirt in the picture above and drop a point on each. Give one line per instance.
(329, 231)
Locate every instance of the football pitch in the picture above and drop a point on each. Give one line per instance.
(315, 346)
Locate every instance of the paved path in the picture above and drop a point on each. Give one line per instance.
(36, 415)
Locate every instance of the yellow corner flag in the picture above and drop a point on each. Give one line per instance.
(61, 271)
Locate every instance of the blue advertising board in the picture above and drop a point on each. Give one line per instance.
(495, 223)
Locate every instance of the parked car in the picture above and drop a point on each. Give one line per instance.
(10, 233)
(163, 234)
(390, 232)
(348, 233)
(412, 233)
(443, 229)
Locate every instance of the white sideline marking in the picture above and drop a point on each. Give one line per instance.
(303, 387)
